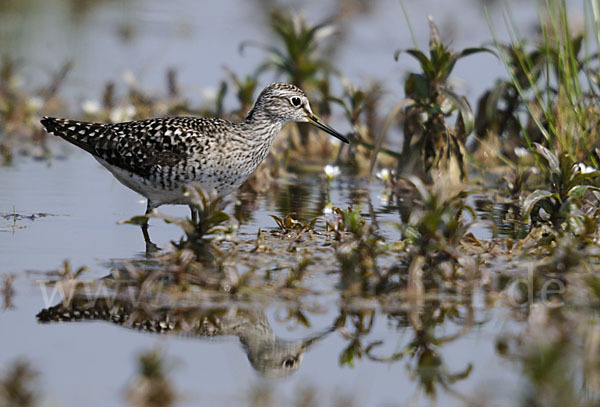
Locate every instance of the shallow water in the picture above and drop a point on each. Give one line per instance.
(91, 362)
(68, 208)
(183, 35)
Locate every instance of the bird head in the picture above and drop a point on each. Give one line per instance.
(284, 102)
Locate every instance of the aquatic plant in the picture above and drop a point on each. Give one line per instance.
(212, 223)
(245, 89)
(20, 110)
(18, 385)
(554, 82)
(289, 224)
(545, 351)
(7, 290)
(357, 250)
(430, 101)
(421, 353)
(331, 171)
(361, 323)
(208, 223)
(499, 120)
(428, 367)
(67, 272)
(569, 182)
(152, 385)
(422, 283)
(437, 224)
(361, 108)
(300, 56)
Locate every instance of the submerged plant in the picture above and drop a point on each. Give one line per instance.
(212, 223)
(434, 255)
(360, 245)
(288, 224)
(208, 224)
(437, 224)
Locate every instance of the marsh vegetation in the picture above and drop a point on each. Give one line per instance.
(444, 219)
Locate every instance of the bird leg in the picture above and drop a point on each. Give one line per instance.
(194, 213)
(150, 247)
(145, 233)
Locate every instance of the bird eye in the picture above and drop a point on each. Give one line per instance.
(289, 363)
(296, 101)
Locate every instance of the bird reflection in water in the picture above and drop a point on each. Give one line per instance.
(269, 355)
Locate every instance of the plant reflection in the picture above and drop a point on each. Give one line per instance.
(7, 291)
(422, 353)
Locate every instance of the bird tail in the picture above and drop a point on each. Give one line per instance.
(66, 128)
(102, 309)
(82, 309)
(81, 134)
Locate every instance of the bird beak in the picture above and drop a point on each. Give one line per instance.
(314, 120)
(306, 343)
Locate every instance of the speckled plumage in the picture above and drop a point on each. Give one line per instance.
(156, 157)
(270, 355)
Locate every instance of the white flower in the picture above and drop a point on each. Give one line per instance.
(383, 175)
(129, 78)
(384, 198)
(35, 103)
(328, 209)
(347, 84)
(17, 81)
(122, 113)
(446, 106)
(585, 169)
(332, 171)
(210, 95)
(298, 21)
(90, 107)
(521, 152)
(324, 32)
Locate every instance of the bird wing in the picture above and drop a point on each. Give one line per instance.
(142, 147)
